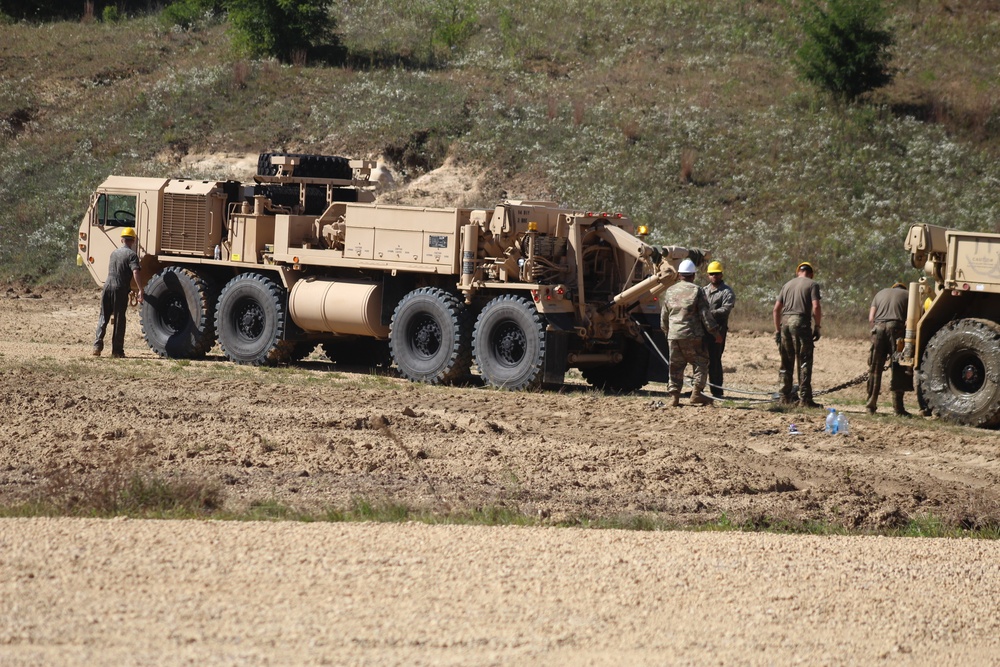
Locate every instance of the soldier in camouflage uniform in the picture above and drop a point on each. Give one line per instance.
(686, 317)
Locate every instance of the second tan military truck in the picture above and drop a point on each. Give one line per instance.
(303, 256)
(953, 324)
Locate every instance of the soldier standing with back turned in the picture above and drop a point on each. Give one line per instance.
(123, 268)
(887, 318)
(686, 319)
(797, 314)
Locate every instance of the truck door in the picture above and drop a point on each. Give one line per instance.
(109, 214)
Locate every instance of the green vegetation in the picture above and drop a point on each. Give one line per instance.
(845, 50)
(117, 492)
(687, 115)
(282, 28)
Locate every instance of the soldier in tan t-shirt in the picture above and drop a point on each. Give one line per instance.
(887, 317)
(797, 315)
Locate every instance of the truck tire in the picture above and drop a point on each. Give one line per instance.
(628, 375)
(310, 166)
(178, 314)
(508, 344)
(428, 337)
(251, 321)
(959, 374)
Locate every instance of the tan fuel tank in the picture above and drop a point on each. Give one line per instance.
(338, 306)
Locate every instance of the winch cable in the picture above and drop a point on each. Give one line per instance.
(770, 394)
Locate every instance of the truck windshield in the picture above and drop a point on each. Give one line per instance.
(116, 210)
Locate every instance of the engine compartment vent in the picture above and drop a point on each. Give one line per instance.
(184, 225)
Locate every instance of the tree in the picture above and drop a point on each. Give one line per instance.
(845, 49)
(286, 29)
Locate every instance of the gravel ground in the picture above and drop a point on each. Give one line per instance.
(126, 592)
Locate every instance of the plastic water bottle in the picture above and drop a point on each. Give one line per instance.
(831, 421)
(218, 252)
(842, 426)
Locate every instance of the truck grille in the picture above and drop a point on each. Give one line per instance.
(184, 224)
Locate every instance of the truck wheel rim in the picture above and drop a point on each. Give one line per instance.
(426, 337)
(509, 344)
(250, 320)
(967, 374)
(174, 314)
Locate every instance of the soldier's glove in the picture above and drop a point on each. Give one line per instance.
(777, 338)
(815, 334)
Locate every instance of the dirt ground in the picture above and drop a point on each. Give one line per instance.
(316, 435)
(126, 592)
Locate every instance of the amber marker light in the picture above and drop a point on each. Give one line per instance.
(643, 230)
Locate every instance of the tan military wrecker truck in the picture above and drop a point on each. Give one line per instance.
(303, 256)
(953, 341)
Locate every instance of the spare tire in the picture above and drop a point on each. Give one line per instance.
(310, 166)
(178, 313)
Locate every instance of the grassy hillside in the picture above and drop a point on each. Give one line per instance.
(683, 113)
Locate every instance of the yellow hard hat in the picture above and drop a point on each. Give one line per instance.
(128, 233)
(804, 265)
(714, 267)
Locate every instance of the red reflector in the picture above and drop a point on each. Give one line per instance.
(534, 294)
(965, 286)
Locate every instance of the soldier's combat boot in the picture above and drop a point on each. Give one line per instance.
(874, 387)
(698, 398)
(675, 399)
(897, 404)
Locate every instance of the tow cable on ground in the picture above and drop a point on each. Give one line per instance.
(772, 396)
